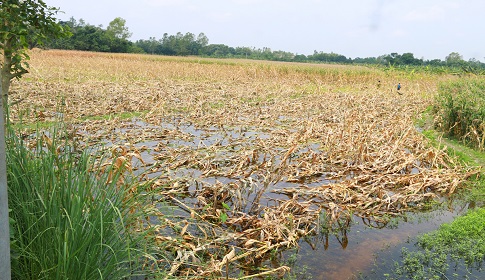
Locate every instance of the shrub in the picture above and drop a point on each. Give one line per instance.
(461, 110)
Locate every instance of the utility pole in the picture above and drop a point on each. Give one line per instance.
(5, 269)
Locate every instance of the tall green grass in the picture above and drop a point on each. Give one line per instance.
(71, 218)
(461, 110)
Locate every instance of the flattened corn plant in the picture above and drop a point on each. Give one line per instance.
(250, 153)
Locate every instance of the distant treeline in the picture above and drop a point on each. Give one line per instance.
(115, 39)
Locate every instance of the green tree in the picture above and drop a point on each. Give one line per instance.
(328, 57)
(199, 44)
(454, 59)
(149, 46)
(88, 37)
(202, 40)
(392, 59)
(118, 29)
(185, 43)
(409, 59)
(244, 52)
(21, 22)
(218, 50)
(92, 38)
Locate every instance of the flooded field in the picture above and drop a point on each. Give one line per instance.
(197, 169)
(369, 252)
(253, 162)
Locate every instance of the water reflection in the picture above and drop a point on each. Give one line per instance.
(236, 172)
(351, 252)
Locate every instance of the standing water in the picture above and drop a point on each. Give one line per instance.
(240, 172)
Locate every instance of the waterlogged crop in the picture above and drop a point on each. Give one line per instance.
(249, 153)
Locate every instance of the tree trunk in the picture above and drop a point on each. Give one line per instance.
(6, 76)
(5, 88)
(5, 270)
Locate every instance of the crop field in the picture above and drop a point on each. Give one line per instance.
(246, 157)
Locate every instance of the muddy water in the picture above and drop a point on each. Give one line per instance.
(367, 246)
(340, 254)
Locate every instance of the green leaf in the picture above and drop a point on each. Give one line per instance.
(223, 217)
(226, 206)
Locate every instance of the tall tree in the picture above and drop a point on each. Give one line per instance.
(21, 22)
(409, 59)
(454, 59)
(118, 29)
(202, 40)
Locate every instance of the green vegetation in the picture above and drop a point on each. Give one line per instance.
(74, 216)
(86, 37)
(461, 110)
(23, 24)
(455, 148)
(456, 249)
(114, 38)
(122, 116)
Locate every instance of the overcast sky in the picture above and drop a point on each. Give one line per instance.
(355, 28)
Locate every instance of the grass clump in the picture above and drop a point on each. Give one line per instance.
(461, 110)
(454, 250)
(74, 216)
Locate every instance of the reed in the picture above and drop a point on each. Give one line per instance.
(71, 219)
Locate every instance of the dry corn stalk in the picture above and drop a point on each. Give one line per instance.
(252, 153)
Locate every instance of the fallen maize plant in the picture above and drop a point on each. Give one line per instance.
(245, 157)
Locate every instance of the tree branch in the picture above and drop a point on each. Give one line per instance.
(18, 74)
